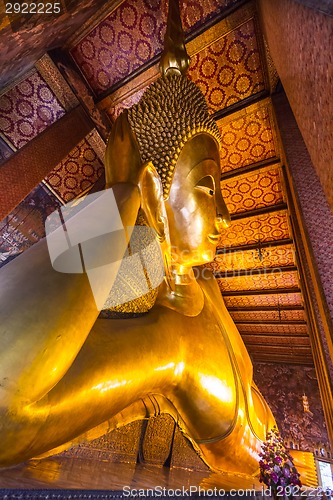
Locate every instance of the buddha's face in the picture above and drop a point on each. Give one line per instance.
(195, 207)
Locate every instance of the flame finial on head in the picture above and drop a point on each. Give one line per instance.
(171, 111)
(174, 58)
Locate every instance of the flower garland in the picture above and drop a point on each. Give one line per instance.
(276, 464)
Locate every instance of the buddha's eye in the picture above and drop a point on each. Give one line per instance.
(206, 184)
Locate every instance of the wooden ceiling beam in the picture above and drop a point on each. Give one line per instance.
(283, 336)
(282, 360)
(263, 346)
(238, 106)
(257, 271)
(259, 211)
(265, 308)
(274, 334)
(254, 246)
(270, 291)
(286, 349)
(269, 322)
(249, 168)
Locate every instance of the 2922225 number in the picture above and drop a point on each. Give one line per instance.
(33, 8)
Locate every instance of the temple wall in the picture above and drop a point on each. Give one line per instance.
(297, 36)
(283, 387)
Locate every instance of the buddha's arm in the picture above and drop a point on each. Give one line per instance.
(45, 317)
(120, 362)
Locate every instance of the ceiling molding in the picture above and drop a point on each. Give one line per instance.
(259, 211)
(265, 308)
(240, 105)
(270, 322)
(250, 168)
(254, 246)
(275, 291)
(250, 272)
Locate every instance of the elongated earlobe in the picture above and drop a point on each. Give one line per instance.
(153, 206)
(122, 157)
(152, 202)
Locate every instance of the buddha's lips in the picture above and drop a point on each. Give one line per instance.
(214, 238)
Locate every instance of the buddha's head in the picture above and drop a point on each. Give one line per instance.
(173, 132)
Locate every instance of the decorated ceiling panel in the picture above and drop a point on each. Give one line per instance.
(262, 300)
(25, 37)
(76, 173)
(266, 227)
(24, 226)
(229, 69)
(27, 109)
(131, 36)
(270, 257)
(273, 315)
(273, 328)
(263, 281)
(246, 139)
(255, 190)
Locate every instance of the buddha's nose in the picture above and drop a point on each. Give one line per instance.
(223, 219)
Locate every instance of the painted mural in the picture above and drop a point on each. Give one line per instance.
(24, 226)
(283, 387)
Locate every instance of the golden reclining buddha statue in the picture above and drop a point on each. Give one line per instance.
(64, 371)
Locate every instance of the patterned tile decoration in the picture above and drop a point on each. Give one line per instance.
(281, 329)
(267, 227)
(5, 151)
(263, 281)
(27, 109)
(132, 35)
(76, 173)
(273, 257)
(24, 226)
(229, 69)
(253, 190)
(246, 139)
(283, 387)
(276, 315)
(285, 299)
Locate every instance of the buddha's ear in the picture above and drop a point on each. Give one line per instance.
(152, 201)
(122, 157)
